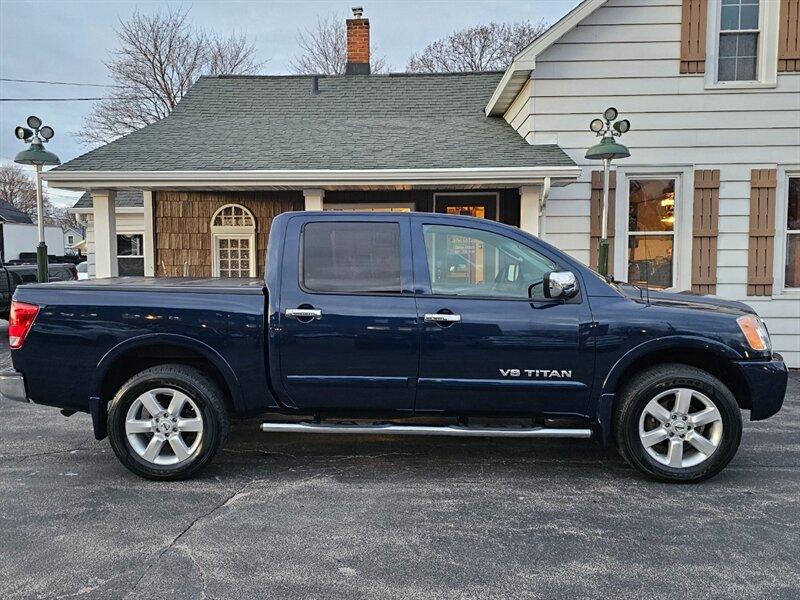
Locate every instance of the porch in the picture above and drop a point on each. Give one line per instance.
(224, 232)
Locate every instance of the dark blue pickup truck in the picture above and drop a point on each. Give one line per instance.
(414, 324)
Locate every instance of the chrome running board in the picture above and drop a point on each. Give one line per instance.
(447, 430)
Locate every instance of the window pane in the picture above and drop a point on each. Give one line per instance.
(727, 45)
(746, 69)
(650, 258)
(793, 260)
(129, 245)
(130, 267)
(727, 69)
(471, 262)
(746, 44)
(351, 257)
(793, 211)
(749, 17)
(730, 18)
(651, 205)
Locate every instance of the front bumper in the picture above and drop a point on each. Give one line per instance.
(766, 383)
(12, 386)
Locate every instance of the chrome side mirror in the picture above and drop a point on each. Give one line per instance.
(560, 284)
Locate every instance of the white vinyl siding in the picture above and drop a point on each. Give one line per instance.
(627, 55)
(127, 224)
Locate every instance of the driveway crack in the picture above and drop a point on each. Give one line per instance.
(172, 544)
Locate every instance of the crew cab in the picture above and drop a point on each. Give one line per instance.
(410, 324)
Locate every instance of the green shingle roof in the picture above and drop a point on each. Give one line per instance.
(125, 199)
(355, 122)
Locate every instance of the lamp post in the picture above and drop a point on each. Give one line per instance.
(607, 150)
(37, 156)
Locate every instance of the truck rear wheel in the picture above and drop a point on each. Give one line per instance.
(677, 424)
(167, 422)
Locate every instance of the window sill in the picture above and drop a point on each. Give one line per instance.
(722, 86)
(787, 294)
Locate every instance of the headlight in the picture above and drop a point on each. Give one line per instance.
(755, 332)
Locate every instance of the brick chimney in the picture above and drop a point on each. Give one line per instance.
(357, 44)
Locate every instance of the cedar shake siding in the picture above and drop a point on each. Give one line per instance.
(183, 226)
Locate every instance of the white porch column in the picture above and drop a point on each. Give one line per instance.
(530, 197)
(149, 236)
(105, 233)
(313, 198)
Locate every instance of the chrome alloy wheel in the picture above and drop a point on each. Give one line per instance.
(164, 426)
(680, 428)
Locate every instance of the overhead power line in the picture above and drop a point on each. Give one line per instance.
(46, 82)
(53, 99)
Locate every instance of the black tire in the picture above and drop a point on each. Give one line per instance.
(644, 387)
(202, 390)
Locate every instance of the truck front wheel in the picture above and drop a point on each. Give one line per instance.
(678, 424)
(167, 422)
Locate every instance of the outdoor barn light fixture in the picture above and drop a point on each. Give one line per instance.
(37, 156)
(607, 150)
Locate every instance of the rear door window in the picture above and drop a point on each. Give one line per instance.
(351, 257)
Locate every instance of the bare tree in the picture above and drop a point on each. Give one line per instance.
(161, 55)
(489, 47)
(323, 49)
(18, 188)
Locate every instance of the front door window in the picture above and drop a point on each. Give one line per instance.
(477, 263)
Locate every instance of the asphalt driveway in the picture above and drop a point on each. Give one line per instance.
(301, 516)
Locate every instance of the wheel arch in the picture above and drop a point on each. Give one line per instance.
(136, 354)
(710, 356)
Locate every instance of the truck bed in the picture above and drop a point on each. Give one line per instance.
(209, 285)
(85, 328)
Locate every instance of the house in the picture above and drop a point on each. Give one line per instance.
(707, 201)
(73, 239)
(18, 233)
(709, 196)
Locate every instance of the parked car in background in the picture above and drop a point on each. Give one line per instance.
(12, 276)
(476, 327)
(83, 270)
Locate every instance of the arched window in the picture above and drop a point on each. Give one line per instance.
(233, 239)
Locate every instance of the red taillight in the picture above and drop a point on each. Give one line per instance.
(20, 322)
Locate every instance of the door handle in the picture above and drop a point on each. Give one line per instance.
(303, 313)
(442, 318)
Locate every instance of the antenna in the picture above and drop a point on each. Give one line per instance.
(646, 272)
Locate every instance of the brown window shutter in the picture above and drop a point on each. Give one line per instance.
(789, 36)
(596, 217)
(705, 215)
(762, 231)
(694, 14)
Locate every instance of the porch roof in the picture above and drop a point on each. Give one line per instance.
(124, 199)
(354, 123)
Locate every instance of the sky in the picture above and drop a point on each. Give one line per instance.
(68, 41)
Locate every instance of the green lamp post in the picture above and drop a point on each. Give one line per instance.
(37, 156)
(607, 150)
